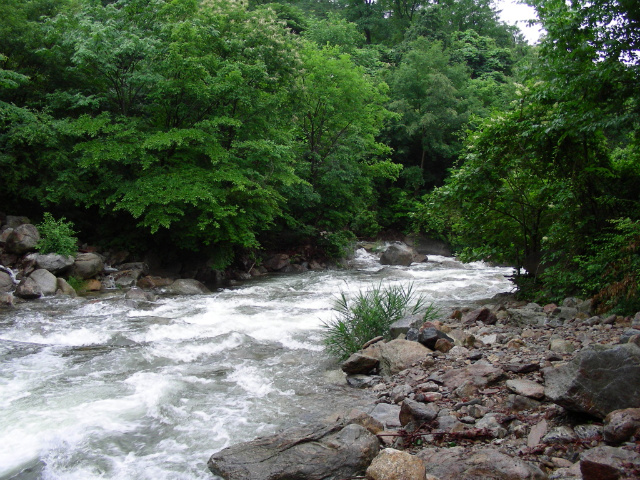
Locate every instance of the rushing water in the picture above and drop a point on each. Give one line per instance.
(113, 389)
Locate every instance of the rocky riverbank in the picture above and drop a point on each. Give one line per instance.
(506, 391)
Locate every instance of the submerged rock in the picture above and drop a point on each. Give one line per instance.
(312, 452)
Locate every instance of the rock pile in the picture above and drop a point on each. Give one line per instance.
(512, 391)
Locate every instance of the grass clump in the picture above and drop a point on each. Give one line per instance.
(370, 314)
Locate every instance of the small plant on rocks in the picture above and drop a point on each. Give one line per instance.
(369, 314)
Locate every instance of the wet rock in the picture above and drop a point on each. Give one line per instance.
(391, 464)
(87, 265)
(92, 285)
(398, 355)
(621, 425)
(359, 380)
(608, 463)
(22, 239)
(312, 452)
(398, 254)
(6, 282)
(54, 262)
(429, 336)
(6, 299)
(47, 282)
(597, 381)
(412, 411)
(526, 388)
(486, 463)
(276, 262)
(28, 289)
(187, 286)
(359, 363)
(63, 288)
(139, 294)
(126, 278)
(152, 281)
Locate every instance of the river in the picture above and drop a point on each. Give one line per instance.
(107, 388)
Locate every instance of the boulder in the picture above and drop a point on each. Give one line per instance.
(405, 324)
(6, 299)
(152, 281)
(139, 294)
(126, 278)
(22, 239)
(597, 381)
(28, 289)
(391, 464)
(621, 425)
(276, 262)
(311, 452)
(483, 315)
(398, 354)
(428, 246)
(64, 288)
(416, 412)
(486, 463)
(54, 262)
(6, 282)
(359, 363)
(608, 463)
(187, 286)
(87, 265)
(398, 254)
(430, 336)
(47, 281)
(14, 221)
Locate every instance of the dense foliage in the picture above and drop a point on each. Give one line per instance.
(224, 127)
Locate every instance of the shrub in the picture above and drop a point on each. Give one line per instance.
(370, 314)
(56, 236)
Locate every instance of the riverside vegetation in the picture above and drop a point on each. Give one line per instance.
(228, 130)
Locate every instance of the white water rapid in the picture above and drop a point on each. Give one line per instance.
(106, 388)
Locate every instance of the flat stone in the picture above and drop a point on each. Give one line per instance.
(312, 452)
(387, 414)
(485, 463)
(527, 388)
(538, 431)
(359, 363)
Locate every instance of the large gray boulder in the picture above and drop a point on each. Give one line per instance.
(87, 265)
(6, 282)
(597, 381)
(311, 452)
(22, 239)
(398, 254)
(28, 289)
(47, 281)
(398, 355)
(54, 262)
(487, 463)
(187, 286)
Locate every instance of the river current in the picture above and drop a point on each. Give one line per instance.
(107, 388)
